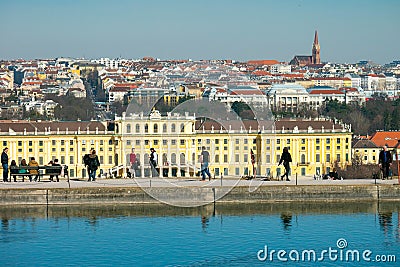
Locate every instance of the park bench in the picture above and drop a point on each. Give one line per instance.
(52, 171)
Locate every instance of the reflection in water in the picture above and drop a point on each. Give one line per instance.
(4, 224)
(385, 221)
(286, 220)
(204, 222)
(92, 221)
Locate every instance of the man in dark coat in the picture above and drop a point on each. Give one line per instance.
(385, 160)
(4, 163)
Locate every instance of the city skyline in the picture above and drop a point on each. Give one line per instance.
(239, 30)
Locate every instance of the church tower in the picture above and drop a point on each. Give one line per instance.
(315, 58)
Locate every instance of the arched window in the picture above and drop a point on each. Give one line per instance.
(137, 128)
(182, 159)
(155, 128)
(146, 128)
(128, 128)
(182, 128)
(173, 127)
(145, 159)
(164, 128)
(173, 158)
(164, 159)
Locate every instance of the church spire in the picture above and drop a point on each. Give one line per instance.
(316, 37)
(316, 50)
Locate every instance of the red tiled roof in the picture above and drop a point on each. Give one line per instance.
(389, 138)
(263, 62)
(261, 73)
(325, 92)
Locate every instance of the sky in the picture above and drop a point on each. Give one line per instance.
(348, 30)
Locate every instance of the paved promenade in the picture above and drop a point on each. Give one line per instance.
(185, 182)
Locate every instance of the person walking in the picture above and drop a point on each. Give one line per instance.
(93, 165)
(35, 171)
(86, 160)
(385, 161)
(153, 162)
(4, 163)
(286, 158)
(253, 161)
(205, 161)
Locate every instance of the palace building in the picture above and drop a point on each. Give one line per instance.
(316, 145)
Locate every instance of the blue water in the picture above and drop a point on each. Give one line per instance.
(227, 237)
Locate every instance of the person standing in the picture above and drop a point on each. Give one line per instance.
(153, 162)
(133, 162)
(204, 160)
(93, 165)
(286, 158)
(4, 163)
(86, 160)
(385, 160)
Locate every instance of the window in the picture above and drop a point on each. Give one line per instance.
(164, 128)
(182, 142)
(146, 142)
(40, 143)
(288, 141)
(30, 143)
(317, 148)
(173, 129)
(317, 141)
(110, 148)
(245, 158)
(41, 162)
(217, 141)
(225, 148)
(155, 142)
(208, 141)
(268, 141)
(278, 141)
(245, 141)
(83, 142)
(303, 141)
(225, 158)
(128, 128)
(137, 142)
(19, 143)
(338, 147)
(236, 141)
(71, 159)
(101, 160)
(30, 150)
(303, 148)
(164, 142)
(4, 143)
(216, 158)
(328, 157)
(225, 141)
(173, 142)
(110, 159)
(237, 158)
(62, 142)
(53, 149)
(237, 171)
(338, 140)
(101, 142)
(328, 140)
(146, 128)
(155, 128)
(268, 158)
(128, 142)
(62, 159)
(182, 128)
(318, 158)
(328, 147)
(137, 128)
(19, 150)
(338, 157)
(303, 159)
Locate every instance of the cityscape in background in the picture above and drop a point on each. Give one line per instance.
(322, 111)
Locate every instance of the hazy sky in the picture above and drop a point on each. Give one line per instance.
(349, 30)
